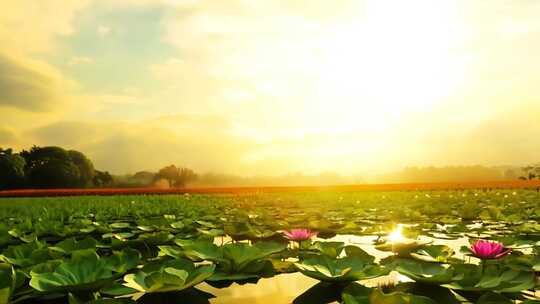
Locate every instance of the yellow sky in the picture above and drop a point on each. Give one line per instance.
(273, 87)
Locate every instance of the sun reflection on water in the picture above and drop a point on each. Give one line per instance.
(396, 236)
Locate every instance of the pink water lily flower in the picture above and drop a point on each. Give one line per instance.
(489, 250)
(299, 234)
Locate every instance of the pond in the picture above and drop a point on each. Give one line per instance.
(179, 251)
(285, 288)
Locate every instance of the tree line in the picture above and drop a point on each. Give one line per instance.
(530, 172)
(56, 167)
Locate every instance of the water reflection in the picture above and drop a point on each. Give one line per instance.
(285, 288)
(321, 293)
(191, 296)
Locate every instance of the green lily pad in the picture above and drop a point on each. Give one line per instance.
(85, 271)
(402, 248)
(357, 294)
(346, 269)
(26, 254)
(492, 278)
(330, 249)
(433, 253)
(424, 272)
(69, 245)
(10, 280)
(172, 275)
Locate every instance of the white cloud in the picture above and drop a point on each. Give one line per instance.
(28, 27)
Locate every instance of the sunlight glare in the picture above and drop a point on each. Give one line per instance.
(371, 73)
(396, 236)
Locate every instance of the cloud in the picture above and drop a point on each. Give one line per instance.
(201, 142)
(274, 86)
(28, 85)
(29, 31)
(29, 27)
(103, 30)
(78, 60)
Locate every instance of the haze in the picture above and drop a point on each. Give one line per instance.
(273, 87)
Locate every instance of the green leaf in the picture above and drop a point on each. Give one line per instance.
(424, 272)
(117, 290)
(156, 238)
(330, 249)
(68, 245)
(360, 253)
(403, 248)
(345, 269)
(178, 225)
(239, 256)
(492, 278)
(118, 226)
(172, 275)
(26, 254)
(358, 294)
(85, 271)
(493, 298)
(434, 253)
(8, 282)
(122, 261)
(378, 297)
(195, 251)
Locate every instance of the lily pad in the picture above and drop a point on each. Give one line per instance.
(433, 253)
(346, 269)
(85, 271)
(357, 294)
(172, 275)
(425, 272)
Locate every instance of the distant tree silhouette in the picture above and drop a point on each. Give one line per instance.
(85, 166)
(102, 179)
(54, 167)
(11, 169)
(530, 172)
(177, 177)
(144, 178)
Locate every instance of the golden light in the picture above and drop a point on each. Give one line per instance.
(396, 236)
(370, 73)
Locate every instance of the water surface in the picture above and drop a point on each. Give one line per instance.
(284, 288)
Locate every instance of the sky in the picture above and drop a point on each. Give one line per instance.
(273, 87)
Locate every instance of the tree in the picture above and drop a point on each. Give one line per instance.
(55, 173)
(143, 178)
(102, 179)
(11, 170)
(85, 166)
(185, 175)
(54, 167)
(530, 172)
(169, 173)
(177, 177)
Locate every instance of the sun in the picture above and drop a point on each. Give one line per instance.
(376, 70)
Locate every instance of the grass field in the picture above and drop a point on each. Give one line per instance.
(84, 249)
